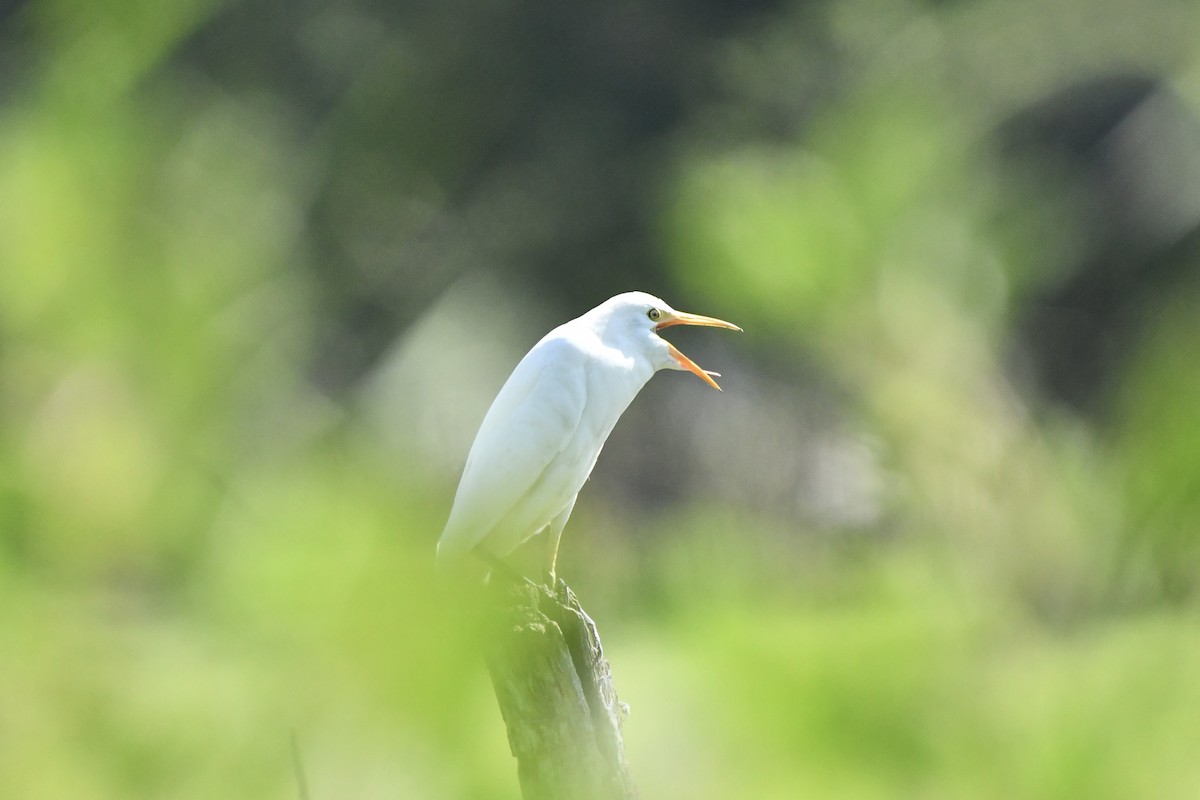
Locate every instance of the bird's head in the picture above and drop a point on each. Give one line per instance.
(637, 318)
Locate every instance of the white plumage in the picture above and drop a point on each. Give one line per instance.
(545, 429)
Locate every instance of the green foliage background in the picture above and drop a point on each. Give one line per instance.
(250, 319)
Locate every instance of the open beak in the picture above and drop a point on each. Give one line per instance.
(670, 318)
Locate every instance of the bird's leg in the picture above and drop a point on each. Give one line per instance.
(500, 567)
(553, 536)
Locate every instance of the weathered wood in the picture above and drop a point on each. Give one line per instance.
(556, 695)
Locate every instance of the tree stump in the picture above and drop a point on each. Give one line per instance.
(556, 696)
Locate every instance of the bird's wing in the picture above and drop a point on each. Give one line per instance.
(533, 419)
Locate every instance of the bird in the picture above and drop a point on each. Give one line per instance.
(543, 433)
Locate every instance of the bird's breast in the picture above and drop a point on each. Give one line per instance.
(612, 383)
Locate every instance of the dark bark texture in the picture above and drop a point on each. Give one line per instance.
(556, 694)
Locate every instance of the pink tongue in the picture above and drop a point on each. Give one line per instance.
(692, 367)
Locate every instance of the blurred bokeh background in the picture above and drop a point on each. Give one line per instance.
(263, 266)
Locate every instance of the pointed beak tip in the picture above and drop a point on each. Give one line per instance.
(683, 318)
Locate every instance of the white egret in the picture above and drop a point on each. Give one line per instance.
(545, 429)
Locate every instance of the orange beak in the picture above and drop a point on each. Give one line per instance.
(670, 318)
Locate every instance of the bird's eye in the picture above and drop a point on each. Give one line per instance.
(654, 314)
